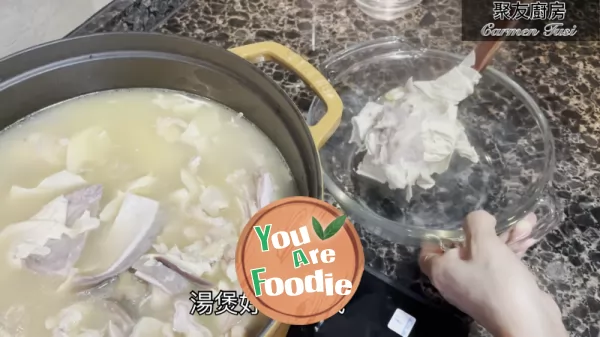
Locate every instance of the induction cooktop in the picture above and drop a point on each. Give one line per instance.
(381, 308)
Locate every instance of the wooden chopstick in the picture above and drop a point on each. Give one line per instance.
(485, 50)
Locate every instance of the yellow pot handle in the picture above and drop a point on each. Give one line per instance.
(271, 51)
(277, 330)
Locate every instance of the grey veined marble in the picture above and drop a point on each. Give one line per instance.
(564, 78)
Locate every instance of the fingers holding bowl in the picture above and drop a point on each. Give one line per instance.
(479, 229)
(518, 238)
(429, 256)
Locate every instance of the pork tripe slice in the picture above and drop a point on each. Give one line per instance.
(63, 253)
(364, 122)
(193, 261)
(164, 273)
(56, 183)
(51, 241)
(414, 134)
(158, 275)
(182, 269)
(135, 228)
(139, 186)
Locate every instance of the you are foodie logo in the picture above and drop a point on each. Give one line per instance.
(299, 260)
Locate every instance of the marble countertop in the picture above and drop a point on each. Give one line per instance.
(562, 76)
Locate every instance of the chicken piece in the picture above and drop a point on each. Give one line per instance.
(238, 331)
(228, 321)
(46, 147)
(191, 182)
(235, 325)
(129, 288)
(213, 201)
(193, 137)
(200, 214)
(230, 271)
(159, 301)
(170, 129)
(264, 190)
(257, 190)
(179, 104)
(113, 330)
(12, 321)
(90, 318)
(151, 327)
(185, 323)
(246, 187)
(88, 148)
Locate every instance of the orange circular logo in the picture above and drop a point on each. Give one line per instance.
(299, 260)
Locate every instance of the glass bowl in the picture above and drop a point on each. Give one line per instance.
(503, 122)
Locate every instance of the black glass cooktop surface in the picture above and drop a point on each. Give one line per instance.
(381, 309)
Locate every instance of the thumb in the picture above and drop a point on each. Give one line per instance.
(480, 228)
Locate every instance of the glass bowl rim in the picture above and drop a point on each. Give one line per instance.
(507, 217)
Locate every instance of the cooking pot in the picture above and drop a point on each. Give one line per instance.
(51, 73)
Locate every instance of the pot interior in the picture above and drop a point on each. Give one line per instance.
(46, 75)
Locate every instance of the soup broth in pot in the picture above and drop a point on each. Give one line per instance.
(119, 207)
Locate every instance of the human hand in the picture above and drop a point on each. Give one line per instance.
(485, 278)
(517, 238)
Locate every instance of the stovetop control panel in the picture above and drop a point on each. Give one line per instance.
(379, 309)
